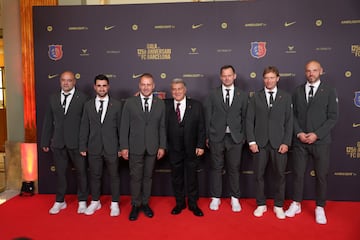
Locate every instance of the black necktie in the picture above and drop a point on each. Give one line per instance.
(64, 102)
(101, 108)
(311, 94)
(227, 97)
(271, 99)
(146, 104)
(178, 115)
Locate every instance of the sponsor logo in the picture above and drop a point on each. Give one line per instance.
(192, 75)
(196, 26)
(258, 49)
(193, 51)
(357, 99)
(107, 28)
(134, 27)
(136, 75)
(51, 76)
(223, 50)
(291, 49)
(318, 23)
(164, 26)
(355, 49)
(84, 53)
(258, 24)
(161, 95)
(49, 28)
(345, 174)
(355, 125)
(224, 25)
(79, 28)
(55, 52)
(288, 24)
(323, 49)
(354, 21)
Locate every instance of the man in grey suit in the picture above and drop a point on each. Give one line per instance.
(269, 126)
(142, 141)
(225, 111)
(61, 132)
(316, 112)
(99, 140)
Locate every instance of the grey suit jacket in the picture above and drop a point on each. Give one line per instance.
(96, 137)
(61, 130)
(218, 115)
(273, 125)
(142, 131)
(320, 116)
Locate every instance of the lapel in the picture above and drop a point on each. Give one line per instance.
(318, 93)
(303, 95)
(262, 96)
(94, 112)
(220, 97)
(188, 109)
(139, 106)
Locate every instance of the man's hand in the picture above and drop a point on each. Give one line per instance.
(45, 149)
(125, 154)
(160, 153)
(283, 148)
(254, 148)
(199, 151)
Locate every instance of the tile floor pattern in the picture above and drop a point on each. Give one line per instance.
(5, 194)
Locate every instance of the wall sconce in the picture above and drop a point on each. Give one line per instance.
(29, 168)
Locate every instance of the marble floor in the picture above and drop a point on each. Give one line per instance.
(5, 194)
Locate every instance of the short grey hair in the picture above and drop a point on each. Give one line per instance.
(178, 80)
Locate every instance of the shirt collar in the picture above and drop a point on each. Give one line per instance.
(316, 84)
(231, 87)
(72, 91)
(105, 99)
(274, 90)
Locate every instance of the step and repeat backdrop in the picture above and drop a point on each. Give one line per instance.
(192, 41)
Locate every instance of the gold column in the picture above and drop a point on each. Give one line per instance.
(28, 73)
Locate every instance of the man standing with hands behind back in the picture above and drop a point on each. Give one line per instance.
(185, 128)
(225, 112)
(316, 112)
(142, 141)
(61, 132)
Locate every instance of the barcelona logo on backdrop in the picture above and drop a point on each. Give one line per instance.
(55, 52)
(258, 49)
(357, 99)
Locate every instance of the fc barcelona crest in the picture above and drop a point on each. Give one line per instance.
(55, 52)
(258, 49)
(357, 99)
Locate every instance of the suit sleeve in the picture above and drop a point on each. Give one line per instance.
(125, 127)
(84, 131)
(201, 128)
(289, 123)
(250, 120)
(208, 112)
(119, 115)
(162, 128)
(332, 115)
(47, 128)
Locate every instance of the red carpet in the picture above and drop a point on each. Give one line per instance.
(28, 217)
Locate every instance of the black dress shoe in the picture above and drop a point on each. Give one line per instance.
(147, 211)
(134, 213)
(196, 211)
(177, 209)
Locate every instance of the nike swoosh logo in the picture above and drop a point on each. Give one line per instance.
(195, 26)
(288, 24)
(136, 75)
(51, 76)
(356, 125)
(106, 28)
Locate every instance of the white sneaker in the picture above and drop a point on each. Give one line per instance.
(295, 208)
(57, 207)
(235, 205)
(114, 209)
(320, 215)
(82, 207)
(259, 211)
(94, 206)
(215, 202)
(279, 212)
